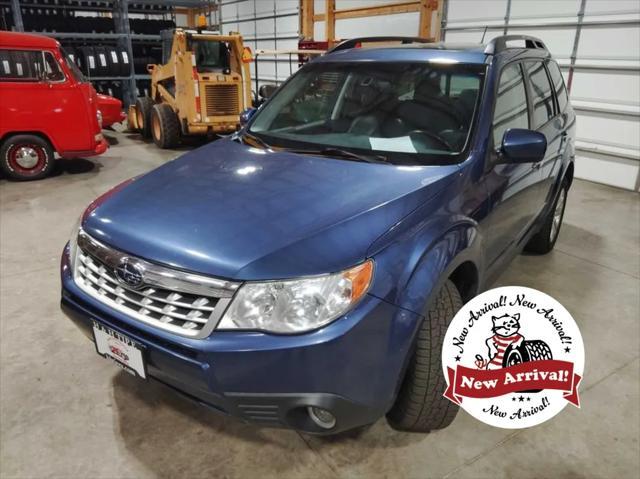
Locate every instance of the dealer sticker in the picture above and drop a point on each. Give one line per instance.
(513, 357)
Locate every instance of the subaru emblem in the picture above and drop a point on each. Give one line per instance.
(130, 273)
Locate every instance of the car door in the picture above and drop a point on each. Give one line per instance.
(514, 190)
(546, 120)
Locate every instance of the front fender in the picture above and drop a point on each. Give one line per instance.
(431, 262)
(415, 257)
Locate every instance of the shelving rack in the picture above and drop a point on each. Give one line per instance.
(122, 36)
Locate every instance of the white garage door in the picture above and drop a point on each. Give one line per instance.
(603, 37)
(264, 25)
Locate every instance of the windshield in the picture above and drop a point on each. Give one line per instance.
(408, 112)
(211, 55)
(75, 71)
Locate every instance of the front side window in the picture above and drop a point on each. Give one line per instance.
(511, 103)
(52, 70)
(408, 112)
(73, 68)
(541, 93)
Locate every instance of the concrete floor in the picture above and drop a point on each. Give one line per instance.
(67, 413)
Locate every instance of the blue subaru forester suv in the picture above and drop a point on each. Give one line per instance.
(302, 272)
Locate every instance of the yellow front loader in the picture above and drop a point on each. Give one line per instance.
(201, 88)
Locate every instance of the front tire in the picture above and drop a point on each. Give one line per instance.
(545, 239)
(26, 157)
(165, 127)
(420, 405)
(144, 104)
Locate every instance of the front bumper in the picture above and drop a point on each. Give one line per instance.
(99, 148)
(351, 367)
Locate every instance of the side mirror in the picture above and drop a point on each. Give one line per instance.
(523, 146)
(265, 91)
(246, 115)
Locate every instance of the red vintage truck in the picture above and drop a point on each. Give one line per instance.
(46, 107)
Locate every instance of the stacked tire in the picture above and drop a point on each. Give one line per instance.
(102, 61)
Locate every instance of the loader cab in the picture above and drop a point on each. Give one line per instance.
(212, 56)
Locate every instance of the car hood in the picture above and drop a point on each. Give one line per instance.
(237, 212)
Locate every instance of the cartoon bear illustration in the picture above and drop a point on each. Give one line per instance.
(505, 329)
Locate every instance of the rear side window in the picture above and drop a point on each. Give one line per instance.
(29, 66)
(21, 65)
(511, 103)
(541, 94)
(558, 84)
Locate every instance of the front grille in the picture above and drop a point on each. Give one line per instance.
(221, 100)
(183, 303)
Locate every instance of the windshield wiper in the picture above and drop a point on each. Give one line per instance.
(255, 139)
(346, 154)
(329, 151)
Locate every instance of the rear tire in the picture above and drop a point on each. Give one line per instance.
(165, 127)
(144, 104)
(420, 405)
(26, 157)
(545, 239)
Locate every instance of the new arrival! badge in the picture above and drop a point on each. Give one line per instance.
(513, 357)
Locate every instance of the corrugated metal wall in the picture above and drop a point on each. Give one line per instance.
(599, 40)
(265, 25)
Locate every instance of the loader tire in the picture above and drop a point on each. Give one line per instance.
(165, 127)
(144, 104)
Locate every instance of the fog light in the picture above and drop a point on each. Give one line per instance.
(321, 417)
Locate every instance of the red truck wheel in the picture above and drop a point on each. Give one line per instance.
(26, 157)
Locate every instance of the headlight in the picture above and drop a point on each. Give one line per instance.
(99, 117)
(295, 306)
(73, 242)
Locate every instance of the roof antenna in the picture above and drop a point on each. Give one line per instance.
(483, 34)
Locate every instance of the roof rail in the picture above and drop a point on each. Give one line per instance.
(499, 44)
(353, 43)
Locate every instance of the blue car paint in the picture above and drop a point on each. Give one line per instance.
(225, 210)
(201, 212)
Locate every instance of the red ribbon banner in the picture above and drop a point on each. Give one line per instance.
(546, 374)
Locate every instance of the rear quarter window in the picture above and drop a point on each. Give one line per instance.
(558, 84)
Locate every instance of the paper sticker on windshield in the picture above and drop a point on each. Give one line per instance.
(400, 144)
(513, 357)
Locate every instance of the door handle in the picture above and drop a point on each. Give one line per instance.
(536, 165)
